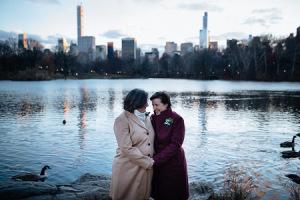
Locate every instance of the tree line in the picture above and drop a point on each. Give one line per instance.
(263, 58)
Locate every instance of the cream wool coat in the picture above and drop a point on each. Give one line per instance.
(132, 165)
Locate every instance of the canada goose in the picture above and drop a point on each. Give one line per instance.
(295, 178)
(290, 154)
(288, 143)
(32, 177)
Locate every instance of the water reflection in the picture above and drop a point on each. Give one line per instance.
(20, 106)
(111, 99)
(202, 115)
(240, 127)
(27, 108)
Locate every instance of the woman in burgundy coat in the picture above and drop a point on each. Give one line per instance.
(170, 179)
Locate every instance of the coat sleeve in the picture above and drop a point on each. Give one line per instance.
(178, 132)
(121, 129)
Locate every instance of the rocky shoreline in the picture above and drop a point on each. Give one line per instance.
(86, 187)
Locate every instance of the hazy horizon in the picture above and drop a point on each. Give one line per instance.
(151, 22)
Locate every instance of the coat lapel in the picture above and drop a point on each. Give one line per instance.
(136, 120)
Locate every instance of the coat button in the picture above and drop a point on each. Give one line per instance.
(149, 155)
(147, 133)
(148, 144)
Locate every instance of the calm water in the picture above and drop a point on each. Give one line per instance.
(227, 124)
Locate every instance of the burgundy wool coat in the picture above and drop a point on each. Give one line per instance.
(170, 178)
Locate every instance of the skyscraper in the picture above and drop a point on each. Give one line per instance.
(213, 45)
(79, 22)
(186, 48)
(87, 44)
(101, 52)
(128, 49)
(110, 50)
(170, 48)
(74, 51)
(22, 41)
(62, 45)
(204, 32)
(205, 18)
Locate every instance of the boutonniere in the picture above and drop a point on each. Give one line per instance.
(168, 121)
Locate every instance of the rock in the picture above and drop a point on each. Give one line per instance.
(67, 188)
(86, 187)
(200, 191)
(89, 177)
(21, 189)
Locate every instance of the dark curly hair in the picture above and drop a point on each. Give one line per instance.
(135, 99)
(163, 96)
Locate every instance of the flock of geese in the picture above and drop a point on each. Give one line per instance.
(291, 154)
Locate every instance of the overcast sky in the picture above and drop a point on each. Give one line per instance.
(151, 22)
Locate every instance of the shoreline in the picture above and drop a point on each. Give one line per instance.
(115, 77)
(88, 187)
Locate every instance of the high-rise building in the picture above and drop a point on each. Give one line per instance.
(34, 44)
(117, 54)
(74, 51)
(156, 52)
(138, 54)
(196, 48)
(101, 52)
(186, 48)
(62, 45)
(79, 22)
(152, 56)
(23, 41)
(298, 32)
(232, 43)
(170, 48)
(128, 49)
(87, 44)
(204, 34)
(110, 50)
(213, 45)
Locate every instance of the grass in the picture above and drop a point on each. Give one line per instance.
(237, 186)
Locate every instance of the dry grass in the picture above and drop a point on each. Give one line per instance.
(237, 186)
(294, 190)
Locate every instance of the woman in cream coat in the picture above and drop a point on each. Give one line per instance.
(132, 165)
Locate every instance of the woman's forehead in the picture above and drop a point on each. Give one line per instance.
(156, 100)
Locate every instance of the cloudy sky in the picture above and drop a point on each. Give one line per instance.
(151, 22)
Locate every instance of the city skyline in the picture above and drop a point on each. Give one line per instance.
(152, 23)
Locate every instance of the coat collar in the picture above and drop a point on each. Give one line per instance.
(165, 113)
(136, 120)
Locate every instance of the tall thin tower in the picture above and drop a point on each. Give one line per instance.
(79, 22)
(204, 32)
(205, 18)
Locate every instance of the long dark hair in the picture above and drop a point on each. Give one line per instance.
(135, 99)
(163, 96)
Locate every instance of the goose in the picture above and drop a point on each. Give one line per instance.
(32, 177)
(295, 178)
(290, 154)
(288, 143)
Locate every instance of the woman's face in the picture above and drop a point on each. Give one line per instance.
(143, 109)
(158, 106)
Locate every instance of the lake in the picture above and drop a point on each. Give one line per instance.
(239, 124)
